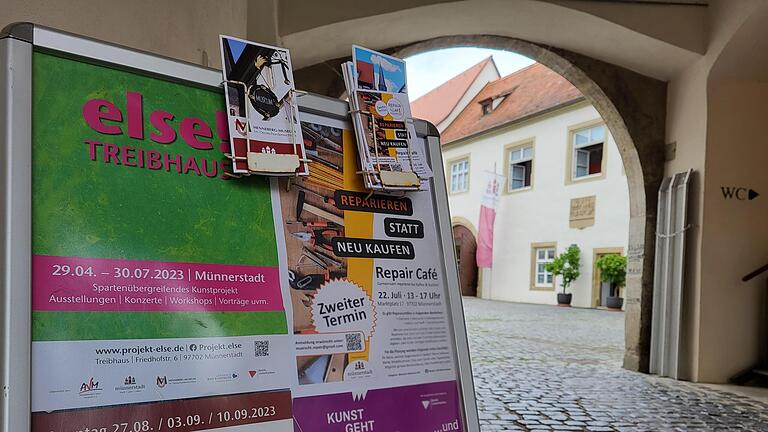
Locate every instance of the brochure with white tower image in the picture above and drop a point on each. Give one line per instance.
(390, 156)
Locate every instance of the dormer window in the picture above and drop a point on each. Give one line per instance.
(487, 106)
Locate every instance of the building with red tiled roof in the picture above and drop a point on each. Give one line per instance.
(528, 92)
(563, 183)
(441, 105)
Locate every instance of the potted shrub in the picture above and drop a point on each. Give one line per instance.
(613, 270)
(566, 265)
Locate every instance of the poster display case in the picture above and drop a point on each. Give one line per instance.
(145, 289)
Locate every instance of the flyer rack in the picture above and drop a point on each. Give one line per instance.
(19, 45)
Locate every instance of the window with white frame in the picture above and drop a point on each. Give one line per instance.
(588, 148)
(460, 175)
(520, 167)
(542, 256)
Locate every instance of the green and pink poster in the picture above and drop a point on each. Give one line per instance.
(155, 278)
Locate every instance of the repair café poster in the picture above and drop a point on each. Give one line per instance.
(374, 350)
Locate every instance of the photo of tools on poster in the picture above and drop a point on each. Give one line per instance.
(367, 292)
(262, 109)
(381, 113)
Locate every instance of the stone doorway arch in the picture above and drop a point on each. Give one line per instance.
(633, 107)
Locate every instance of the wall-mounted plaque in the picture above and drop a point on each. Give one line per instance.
(582, 212)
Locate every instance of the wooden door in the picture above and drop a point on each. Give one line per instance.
(466, 246)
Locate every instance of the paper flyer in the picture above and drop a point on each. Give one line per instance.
(155, 302)
(369, 310)
(261, 102)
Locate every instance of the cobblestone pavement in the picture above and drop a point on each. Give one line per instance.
(549, 368)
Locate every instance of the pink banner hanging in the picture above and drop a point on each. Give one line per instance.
(484, 254)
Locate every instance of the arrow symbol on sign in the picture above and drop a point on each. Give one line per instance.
(752, 194)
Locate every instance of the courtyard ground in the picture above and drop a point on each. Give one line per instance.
(547, 368)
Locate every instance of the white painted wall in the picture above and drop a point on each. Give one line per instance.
(541, 214)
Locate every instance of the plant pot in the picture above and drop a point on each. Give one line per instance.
(564, 299)
(614, 302)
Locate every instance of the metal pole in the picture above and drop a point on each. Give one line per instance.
(15, 216)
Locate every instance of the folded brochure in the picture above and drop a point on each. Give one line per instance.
(263, 116)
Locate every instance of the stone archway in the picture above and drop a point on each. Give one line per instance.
(633, 107)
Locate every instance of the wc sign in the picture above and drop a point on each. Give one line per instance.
(739, 193)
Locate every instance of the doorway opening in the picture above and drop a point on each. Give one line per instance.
(601, 290)
(466, 247)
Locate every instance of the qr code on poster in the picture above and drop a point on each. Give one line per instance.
(261, 348)
(354, 341)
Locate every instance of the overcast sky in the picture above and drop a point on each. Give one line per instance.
(429, 70)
